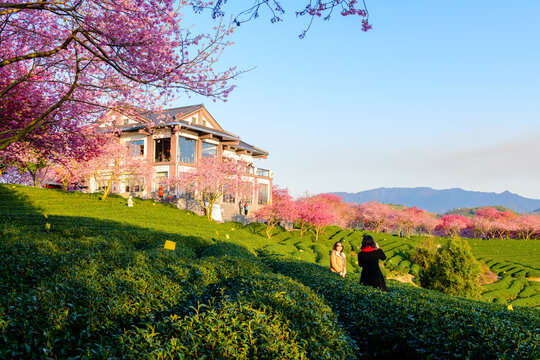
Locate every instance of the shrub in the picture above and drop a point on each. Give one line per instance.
(486, 275)
(454, 270)
(425, 252)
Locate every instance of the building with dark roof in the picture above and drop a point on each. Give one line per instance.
(175, 140)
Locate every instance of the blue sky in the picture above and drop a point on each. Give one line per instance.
(439, 94)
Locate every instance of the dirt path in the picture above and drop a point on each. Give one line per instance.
(408, 279)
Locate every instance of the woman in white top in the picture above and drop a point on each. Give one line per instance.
(337, 260)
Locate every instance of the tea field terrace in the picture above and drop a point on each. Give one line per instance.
(97, 283)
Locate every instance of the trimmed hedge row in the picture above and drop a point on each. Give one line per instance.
(409, 323)
(511, 292)
(113, 297)
(531, 301)
(504, 283)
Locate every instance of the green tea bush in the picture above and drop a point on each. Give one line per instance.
(504, 283)
(510, 293)
(531, 301)
(404, 266)
(533, 273)
(410, 323)
(529, 291)
(122, 304)
(98, 284)
(218, 330)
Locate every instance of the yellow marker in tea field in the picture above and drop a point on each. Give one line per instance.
(169, 245)
(510, 307)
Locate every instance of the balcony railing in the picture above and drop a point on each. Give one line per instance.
(263, 172)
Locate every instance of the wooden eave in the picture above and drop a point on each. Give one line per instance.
(210, 118)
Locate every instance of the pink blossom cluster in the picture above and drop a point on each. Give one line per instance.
(64, 63)
(314, 213)
(281, 209)
(308, 213)
(211, 178)
(487, 222)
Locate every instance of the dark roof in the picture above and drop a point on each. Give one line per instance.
(168, 118)
(245, 146)
(168, 115)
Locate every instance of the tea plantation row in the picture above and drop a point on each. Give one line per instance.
(399, 251)
(97, 283)
(108, 297)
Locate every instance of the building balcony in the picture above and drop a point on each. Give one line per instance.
(263, 172)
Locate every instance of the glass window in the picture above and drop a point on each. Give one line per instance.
(162, 178)
(162, 149)
(262, 194)
(229, 196)
(187, 149)
(136, 148)
(263, 172)
(135, 184)
(247, 198)
(208, 150)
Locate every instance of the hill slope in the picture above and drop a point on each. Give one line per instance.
(96, 283)
(441, 201)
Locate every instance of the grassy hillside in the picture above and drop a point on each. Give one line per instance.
(90, 279)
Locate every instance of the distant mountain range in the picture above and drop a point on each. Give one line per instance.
(441, 201)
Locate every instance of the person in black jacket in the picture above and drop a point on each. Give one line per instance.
(368, 259)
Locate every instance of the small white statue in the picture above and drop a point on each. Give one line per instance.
(130, 202)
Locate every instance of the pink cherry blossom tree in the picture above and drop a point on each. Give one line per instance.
(312, 10)
(211, 178)
(482, 226)
(373, 215)
(499, 222)
(11, 175)
(526, 226)
(407, 219)
(281, 209)
(427, 223)
(69, 172)
(342, 213)
(34, 162)
(314, 212)
(64, 62)
(304, 212)
(115, 164)
(452, 225)
(52, 149)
